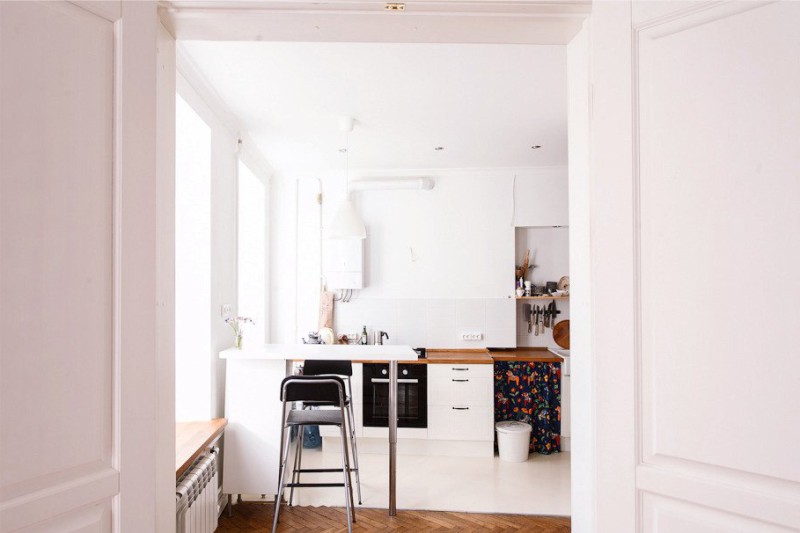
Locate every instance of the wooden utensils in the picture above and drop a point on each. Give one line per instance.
(522, 271)
(561, 334)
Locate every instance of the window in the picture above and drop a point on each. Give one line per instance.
(192, 264)
(252, 290)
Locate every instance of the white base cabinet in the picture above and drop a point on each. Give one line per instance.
(460, 423)
(460, 415)
(461, 402)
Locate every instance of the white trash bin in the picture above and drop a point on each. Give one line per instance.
(513, 440)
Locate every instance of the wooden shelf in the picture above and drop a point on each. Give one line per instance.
(191, 438)
(543, 297)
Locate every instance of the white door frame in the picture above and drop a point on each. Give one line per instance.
(144, 271)
(120, 477)
(543, 24)
(609, 474)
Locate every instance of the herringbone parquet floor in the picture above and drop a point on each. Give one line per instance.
(257, 517)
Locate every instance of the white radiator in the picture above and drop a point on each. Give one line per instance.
(196, 494)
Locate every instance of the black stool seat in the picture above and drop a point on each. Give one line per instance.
(322, 417)
(317, 404)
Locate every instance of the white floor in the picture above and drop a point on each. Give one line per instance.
(481, 485)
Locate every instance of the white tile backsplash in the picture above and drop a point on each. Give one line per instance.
(501, 327)
(470, 318)
(434, 323)
(411, 323)
(440, 324)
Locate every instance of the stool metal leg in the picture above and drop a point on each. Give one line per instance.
(354, 447)
(282, 470)
(348, 489)
(298, 462)
(280, 454)
(352, 430)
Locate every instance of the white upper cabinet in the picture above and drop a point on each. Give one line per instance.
(540, 198)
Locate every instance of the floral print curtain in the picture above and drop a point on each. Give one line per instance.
(530, 392)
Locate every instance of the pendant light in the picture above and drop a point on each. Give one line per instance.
(346, 224)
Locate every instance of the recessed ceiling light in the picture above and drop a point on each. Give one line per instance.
(536, 147)
(342, 150)
(439, 148)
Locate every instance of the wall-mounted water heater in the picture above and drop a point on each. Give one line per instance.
(346, 264)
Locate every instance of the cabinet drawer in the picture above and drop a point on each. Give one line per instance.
(461, 390)
(460, 422)
(451, 370)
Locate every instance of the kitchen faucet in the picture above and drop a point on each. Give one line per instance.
(379, 336)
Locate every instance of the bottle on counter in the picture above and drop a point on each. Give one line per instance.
(364, 337)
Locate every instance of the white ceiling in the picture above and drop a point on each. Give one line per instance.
(485, 104)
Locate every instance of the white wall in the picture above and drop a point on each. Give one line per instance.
(225, 153)
(283, 261)
(442, 257)
(454, 241)
(192, 263)
(432, 323)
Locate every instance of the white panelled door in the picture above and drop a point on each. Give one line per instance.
(79, 398)
(707, 218)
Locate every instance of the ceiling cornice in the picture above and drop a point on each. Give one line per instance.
(456, 7)
(462, 21)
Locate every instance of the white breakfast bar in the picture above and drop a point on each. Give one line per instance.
(253, 408)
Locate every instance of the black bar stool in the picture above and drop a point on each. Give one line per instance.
(329, 390)
(343, 369)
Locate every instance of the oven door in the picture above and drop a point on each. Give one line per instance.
(412, 393)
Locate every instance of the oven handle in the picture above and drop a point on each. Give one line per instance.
(386, 380)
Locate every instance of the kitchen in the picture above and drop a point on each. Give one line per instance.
(126, 246)
(466, 252)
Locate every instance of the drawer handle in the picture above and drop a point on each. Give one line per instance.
(460, 380)
(462, 369)
(461, 408)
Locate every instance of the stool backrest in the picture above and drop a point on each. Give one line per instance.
(313, 389)
(316, 367)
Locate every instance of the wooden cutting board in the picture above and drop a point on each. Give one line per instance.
(561, 334)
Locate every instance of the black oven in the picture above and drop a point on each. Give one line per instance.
(412, 395)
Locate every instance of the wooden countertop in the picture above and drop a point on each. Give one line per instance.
(482, 357)
(525, 355)
(461, 357)
(191, 438)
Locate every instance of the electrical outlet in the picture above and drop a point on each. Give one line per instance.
(226, 310)
(471, 336)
